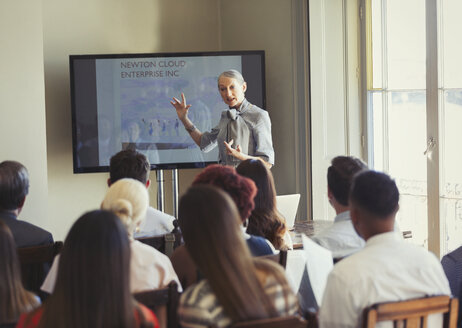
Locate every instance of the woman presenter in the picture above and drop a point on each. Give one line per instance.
(244, 126)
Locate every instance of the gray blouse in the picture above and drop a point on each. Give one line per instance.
(260, 143)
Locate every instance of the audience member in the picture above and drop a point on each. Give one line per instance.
(452, 265)
(134, 165)
(265, 220)
(92, 287)
(236, 287)
(341, 238)
(388, 268)
(150, 269)
(242, 190)
(14, 300)
(14, 187)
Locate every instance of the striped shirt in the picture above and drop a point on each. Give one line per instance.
(200, 308)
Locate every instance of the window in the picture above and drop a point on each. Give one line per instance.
(396, 104)
(414, 112)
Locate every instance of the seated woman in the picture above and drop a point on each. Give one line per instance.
(242, 190)
(150, 269)
(265, 220)
(92, 287)
(236, 287)
(14, 299)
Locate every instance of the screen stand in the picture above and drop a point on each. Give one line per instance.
(160, 190)
(175, 192)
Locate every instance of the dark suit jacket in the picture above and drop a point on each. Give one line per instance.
(452, 265)
(25, 234)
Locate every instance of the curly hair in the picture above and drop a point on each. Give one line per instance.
(241, 189)
(265, 220)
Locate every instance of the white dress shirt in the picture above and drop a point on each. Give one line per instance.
(149, 269)
(387, 269)
(156, 223)
(340, 238)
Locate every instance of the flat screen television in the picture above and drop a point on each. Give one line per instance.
(122, 101)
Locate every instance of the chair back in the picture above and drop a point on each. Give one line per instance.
(280, 258)
(278, 322)
(160, 298)
(413, 313)
(163, 243)
(8, 325)
(36, 262)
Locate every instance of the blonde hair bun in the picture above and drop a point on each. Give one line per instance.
(129, 200)
(124, 210)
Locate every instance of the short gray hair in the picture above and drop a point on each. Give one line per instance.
(233, 74)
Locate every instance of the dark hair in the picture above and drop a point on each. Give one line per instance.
(14, 185)
(210, 223)
(340, 175)
(241, 189)
(376, 193)
(129, 164)
(265, 220)
(15, 300)
(92, 287)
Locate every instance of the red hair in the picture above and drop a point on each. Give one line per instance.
(241, 189)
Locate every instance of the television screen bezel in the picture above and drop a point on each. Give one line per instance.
(168, 166)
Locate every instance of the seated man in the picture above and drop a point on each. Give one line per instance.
(387, 269)
(132, 164)
(452, 265)
(14, 187)
(341, 238)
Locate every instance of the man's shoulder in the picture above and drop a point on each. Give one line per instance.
(336, 229)
(341, 238)
(155, 213)
(385, 257)
(256, 113)
(27, 234)
(454, 256)
(156, 223)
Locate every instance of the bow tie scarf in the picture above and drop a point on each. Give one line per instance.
(238, 131)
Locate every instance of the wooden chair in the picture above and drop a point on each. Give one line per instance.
(35, 262)
(161, 301)
(279, 322)
(280, 258)
(163, 243)
(412, 313)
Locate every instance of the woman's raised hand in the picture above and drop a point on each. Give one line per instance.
(181, 107)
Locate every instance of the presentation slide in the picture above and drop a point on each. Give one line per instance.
(123, 102)
(136, 94)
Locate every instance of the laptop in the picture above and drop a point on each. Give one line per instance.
(287, 205)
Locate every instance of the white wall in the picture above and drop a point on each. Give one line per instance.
(22, 102)
(102, 26)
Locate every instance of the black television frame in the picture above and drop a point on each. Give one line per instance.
(168, 166)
